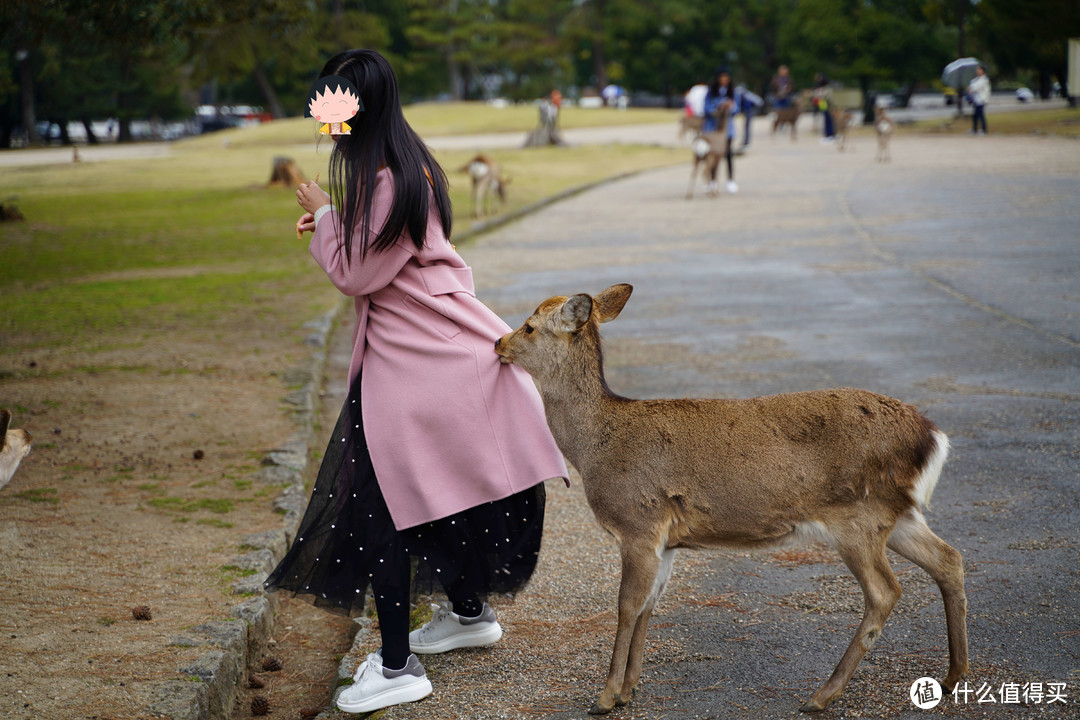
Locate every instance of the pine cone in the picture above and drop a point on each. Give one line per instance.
(271, 664)
(260, 705)
(309, 712)
(141, 612)
(255, 682)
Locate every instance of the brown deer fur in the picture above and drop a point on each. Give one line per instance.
(847, 466)
(488, 184)
(883, 126)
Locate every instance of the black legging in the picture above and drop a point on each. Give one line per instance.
(392, 605)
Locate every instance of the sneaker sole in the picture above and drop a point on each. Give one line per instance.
(391, 696)
(476, 638)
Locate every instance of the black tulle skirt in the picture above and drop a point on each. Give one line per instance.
(347, 543)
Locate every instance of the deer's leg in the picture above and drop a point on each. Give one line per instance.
(865, 557)
(640, 564)
(912, 539)
(637, 643)
(693, 177)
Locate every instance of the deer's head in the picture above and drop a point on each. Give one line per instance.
(558, 325)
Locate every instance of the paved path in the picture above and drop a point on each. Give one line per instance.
(948, 278)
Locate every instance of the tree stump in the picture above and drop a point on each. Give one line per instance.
(547, 132)
(286, 173)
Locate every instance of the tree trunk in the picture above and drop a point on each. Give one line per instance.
(90, 136)
(599, 61)
(457, 80)
(268, 92)
(26, 99)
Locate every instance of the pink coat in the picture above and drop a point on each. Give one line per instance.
(448, 426)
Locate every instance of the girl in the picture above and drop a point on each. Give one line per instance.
(722, 100)
(435, 470)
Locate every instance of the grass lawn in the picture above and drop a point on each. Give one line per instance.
(440, 119)
(1064, 122)
(195, 243)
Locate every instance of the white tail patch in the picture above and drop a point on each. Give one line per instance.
(812, 531)
(927, 480)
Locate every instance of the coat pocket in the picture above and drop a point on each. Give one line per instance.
(431, 317)
(443, 280)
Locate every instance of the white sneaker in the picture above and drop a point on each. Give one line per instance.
(375, 687)
(449, 631)
(732, 187)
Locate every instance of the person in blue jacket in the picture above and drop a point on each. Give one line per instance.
(722, 101)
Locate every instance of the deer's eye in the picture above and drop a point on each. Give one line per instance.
(528, 329)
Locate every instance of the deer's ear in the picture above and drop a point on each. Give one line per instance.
(610, 302)
(575, 312)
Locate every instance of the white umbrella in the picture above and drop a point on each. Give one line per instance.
(959, 73)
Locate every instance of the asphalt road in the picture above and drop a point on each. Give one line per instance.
(949, 278)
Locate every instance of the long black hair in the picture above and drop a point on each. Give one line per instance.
(380, 136)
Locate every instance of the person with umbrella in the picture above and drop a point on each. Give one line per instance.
(979, 93)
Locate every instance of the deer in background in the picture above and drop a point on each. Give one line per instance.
(15, 445)
(884, 126)
(488, 184)
(846, 466)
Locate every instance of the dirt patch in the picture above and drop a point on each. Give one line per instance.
(143, 482)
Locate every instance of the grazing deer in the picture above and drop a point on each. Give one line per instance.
(487, 184)
(16, 443)
(847, 466)
(884, 126)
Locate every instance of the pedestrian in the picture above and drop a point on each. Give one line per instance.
(433, 477)
(823, 102)
(782, 87)
(722, 101)
(979, 93)
(749, 106)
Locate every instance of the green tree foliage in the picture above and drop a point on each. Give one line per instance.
(71, 59)
(1030, 35)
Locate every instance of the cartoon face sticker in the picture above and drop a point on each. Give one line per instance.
(332, 101)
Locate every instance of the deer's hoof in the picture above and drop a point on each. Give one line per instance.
(813, 706)
(598, 709)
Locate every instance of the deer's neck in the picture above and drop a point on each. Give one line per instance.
(577, 400)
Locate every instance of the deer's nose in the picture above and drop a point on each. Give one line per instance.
(497, 343)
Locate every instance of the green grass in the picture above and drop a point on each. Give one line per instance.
(1063, 122)
(438, 120)
(123, 253)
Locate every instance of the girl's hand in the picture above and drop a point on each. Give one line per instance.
(306, 223)
(311, 197)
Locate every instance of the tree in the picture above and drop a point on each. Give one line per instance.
(871, 43)
(1030, 35)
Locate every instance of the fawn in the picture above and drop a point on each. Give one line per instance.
(847, 466)
(14, 444)
(488, 184)
(883, 125)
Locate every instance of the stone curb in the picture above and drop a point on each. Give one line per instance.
(208, 688)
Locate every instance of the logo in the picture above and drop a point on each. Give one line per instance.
(925, 693)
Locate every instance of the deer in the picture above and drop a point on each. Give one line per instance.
(488, 184)
(14, 445)
(848, 466)
(789, 116)
(708, 149)
(883, 126)
(844, 120)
